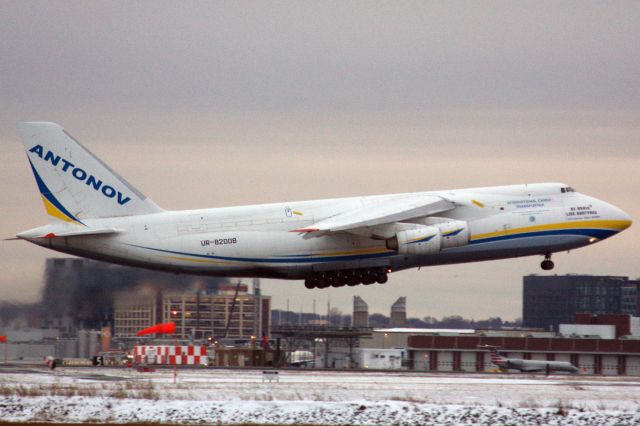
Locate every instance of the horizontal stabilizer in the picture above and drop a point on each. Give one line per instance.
(63, 230)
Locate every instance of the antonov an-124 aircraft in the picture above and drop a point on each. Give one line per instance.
(95, 213)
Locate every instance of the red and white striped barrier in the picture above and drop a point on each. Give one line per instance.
(170, 355)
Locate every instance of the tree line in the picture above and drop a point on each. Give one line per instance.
(336, 318)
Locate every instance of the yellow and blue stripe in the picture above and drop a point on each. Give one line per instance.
(51, 204)
(452, 233)
(300, 258)
(421, 239)
(599, 229)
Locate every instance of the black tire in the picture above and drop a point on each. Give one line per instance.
(547, 265)
(382, 278)
(322, 284)
(368, 278)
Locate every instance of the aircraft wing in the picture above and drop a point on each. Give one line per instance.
(382, 211)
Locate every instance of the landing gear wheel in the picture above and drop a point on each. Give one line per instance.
(342, 278)
(310, 283)
(547, 265)
(354, 279)
(323, 284)
(368, 278)
(382, 278)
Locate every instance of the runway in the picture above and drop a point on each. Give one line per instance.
(236, 396)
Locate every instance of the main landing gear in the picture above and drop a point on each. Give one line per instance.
(350, 277)
(547, 263)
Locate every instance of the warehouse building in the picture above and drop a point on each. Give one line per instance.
(451, 351)
(461, 353)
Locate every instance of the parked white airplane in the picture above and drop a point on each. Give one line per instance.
(97, 214)
(528, 365)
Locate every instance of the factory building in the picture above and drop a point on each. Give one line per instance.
(229, 313)
(549, 301)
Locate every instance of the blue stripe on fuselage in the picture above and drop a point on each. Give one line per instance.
(600, 234)
(275, 260)
(597, 233)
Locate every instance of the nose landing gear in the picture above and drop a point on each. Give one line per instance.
(547, 264)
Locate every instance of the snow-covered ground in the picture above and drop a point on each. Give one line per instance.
(313, 397)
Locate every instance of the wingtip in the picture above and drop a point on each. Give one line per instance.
(37, 123)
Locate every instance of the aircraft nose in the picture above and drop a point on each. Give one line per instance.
(622, 219)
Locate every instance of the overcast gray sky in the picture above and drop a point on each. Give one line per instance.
(206, 104)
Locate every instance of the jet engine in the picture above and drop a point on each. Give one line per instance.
(455, 233)
(430, 239)
(422, 240)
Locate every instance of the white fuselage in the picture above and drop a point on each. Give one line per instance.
(257, 240)
(532, 366)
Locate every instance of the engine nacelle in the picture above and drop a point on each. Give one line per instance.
(455, 233)
(422, 240)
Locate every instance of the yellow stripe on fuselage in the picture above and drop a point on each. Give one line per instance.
(188, 259)
(617, 225)
(373, 250)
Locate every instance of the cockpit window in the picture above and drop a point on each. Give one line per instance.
(567, 189)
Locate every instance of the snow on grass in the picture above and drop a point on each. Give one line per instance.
(314, 397)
